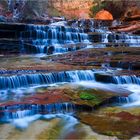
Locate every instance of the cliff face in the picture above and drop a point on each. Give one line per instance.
(69, 8)
(81, 8)
(72, 8)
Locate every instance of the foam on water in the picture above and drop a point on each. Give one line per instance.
(102, 86)
(24, 122)
(68, 119)
(134, 97)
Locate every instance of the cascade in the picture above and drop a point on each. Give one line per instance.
(122, 100)
(21, 111)
(127, 39)
(124, 39)
(27, 80)
(105, 38)
(134, 98)
(124, 79)
(51, 39)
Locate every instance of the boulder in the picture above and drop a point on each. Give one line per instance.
(104, 15)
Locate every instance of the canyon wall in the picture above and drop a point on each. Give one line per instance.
(72, 8)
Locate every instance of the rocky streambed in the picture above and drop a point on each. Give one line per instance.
(65, 82)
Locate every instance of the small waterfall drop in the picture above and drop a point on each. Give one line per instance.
(134, 98)
(17, 81)
(124, 79)
(22, 111)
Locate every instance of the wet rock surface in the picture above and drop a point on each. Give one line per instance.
(75, 97)
(91, 81)
(118, 124)
(123, 57)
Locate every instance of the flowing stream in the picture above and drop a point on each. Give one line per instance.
(24, 74)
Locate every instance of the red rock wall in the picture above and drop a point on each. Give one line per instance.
(72, 8)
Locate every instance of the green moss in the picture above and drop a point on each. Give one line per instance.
(87, 96)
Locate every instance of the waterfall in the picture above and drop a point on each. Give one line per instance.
(134, 98)
(27, 80)
(126, 39)
(101, 36)
(126, 79)
(123, 100)
(22, 111)
(43, 37)
(105, 38)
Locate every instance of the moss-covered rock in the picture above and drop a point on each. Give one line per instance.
(90, 97)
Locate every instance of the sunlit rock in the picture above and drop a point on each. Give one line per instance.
(104, 15)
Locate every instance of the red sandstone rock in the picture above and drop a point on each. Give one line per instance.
(127, 116)
(129, 28)
(73, 8)
(49, 97)
(132, 13)
(104, 15)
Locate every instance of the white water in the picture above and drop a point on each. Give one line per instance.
(67, 122)
(31, 80)
(60, 23)
(17, 85)
(68, 119)
(23, 122)
(107, 87)
(134, 97)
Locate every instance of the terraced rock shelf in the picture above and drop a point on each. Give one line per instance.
(69, 81)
